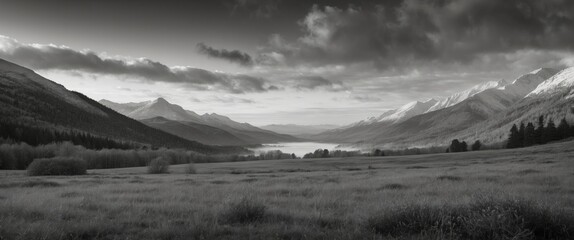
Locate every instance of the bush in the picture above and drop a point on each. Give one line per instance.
(245, 210)
(158, 165)
(57, 166)
(190, 169)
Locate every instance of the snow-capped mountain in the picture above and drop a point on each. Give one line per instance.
(478, 104)
(561, 81)
(417, 107)
(399, 114)
(461, 96)
(409, 110)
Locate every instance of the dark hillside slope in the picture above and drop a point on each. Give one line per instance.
(31, 100)
(195, 131)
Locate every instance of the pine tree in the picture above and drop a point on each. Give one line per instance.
(529, 135)
(550, 133)
(513, 137)
(463, 146)
(540, 130)
(476, 145)
(520, 138)
(454, 146)
(325, 153)
(563, 129)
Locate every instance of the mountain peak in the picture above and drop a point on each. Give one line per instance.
(502, 83)
(161, 100)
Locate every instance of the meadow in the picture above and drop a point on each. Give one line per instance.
(497, 194)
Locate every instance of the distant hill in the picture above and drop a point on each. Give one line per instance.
(194, 131)
(207, 128)
(299, 130)
(28, 99)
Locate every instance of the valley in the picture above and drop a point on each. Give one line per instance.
(331, 198)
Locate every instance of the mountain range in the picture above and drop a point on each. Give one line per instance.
(209, 128)
(484, 112)
(299, 130)
(34, 102)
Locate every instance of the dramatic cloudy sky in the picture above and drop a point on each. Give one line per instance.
(285, 61)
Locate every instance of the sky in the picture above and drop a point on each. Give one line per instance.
(285, 62)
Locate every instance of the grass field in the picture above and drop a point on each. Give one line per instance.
(504, 194)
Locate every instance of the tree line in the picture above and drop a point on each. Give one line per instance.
(34, 136)
(527, 135)
(325, 153)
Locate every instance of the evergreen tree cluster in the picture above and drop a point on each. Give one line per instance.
(35, 136)
(458, 146)
(528, 135)
(378, 152)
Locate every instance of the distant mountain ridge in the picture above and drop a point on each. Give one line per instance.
(209, 128)
(299, 130)
(482, 103)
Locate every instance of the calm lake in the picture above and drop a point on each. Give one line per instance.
(300, 148)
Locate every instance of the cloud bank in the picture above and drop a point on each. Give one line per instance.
(53, 57)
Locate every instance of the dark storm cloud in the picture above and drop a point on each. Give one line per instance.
(234, 56)
(48, 57)
(399, 33)
(257, 8)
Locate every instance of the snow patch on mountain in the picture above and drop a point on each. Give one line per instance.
(528, 82)
(560, 81)
(409, 110)
(398, 115)
(461, 96)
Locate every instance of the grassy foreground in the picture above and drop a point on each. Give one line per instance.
(505, 194)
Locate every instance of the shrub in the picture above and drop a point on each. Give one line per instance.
(244, 210)
(449, 178)
(392, 186)
(158, 165)
(57, 166)
(190, 169)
